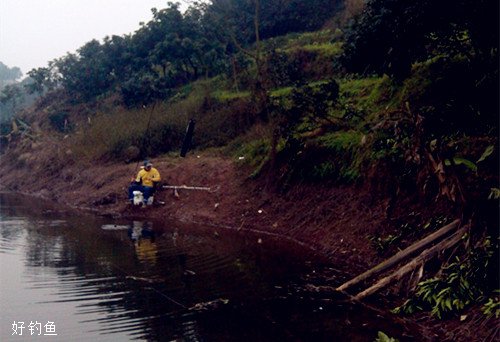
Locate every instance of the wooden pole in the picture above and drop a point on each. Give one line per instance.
(412, 265)
(186, 145)
(184, 187)
(402, 255)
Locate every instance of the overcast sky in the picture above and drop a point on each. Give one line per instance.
(33, 32)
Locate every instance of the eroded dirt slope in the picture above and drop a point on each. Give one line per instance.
(334, 221)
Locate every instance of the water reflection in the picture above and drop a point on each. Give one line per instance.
(114, 281)
(98, 280)
(142, 236)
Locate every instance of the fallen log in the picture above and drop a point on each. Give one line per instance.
(412, 265)
(402, 255)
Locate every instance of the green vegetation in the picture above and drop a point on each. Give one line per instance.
(226, 95)
(8, 74)
(407, 231)
(403, 100)
(344, 146)
(254, 154)
(433, 95)
(492, 306)
(460, 284)
(325, 49)
(382, 337)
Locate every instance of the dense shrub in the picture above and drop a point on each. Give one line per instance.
(389, 36)
(453, 95)
(462, 283)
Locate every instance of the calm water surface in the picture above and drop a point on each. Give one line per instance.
(90, 279)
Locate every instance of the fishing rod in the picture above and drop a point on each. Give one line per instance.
(146, 133)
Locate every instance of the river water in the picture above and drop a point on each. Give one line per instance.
(67, 276)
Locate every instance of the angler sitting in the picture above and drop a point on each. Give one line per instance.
(146, 182)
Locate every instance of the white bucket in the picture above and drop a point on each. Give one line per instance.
(138, 197)
(150, 200)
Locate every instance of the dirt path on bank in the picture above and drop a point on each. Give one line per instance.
(336, 222)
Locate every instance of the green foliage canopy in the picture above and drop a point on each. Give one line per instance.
(390, 35)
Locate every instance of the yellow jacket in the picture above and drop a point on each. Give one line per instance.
(148, 177)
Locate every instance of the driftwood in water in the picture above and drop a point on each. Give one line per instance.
(402, 255)
(412, 265)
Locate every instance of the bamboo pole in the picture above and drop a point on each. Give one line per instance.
(184, 187)
(412, 265)
(402, 255)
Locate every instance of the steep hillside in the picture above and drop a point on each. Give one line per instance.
(356, 140)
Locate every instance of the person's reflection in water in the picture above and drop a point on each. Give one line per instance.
(143, 237)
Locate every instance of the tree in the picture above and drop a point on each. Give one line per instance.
(233, 18)
(11, 96)
(390, 35)
(86, 74)
(43, 79)
(8, 75)
(116, 54)
(276, 17)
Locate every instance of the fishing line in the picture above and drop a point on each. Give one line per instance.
(146, 133)
(151, 287)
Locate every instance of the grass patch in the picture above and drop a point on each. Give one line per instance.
(341, 141)
(228, 95)
(335, 156)
(325, 49)
(112, 134)
(368, 98)
(344, 156)
(254, 154)
(252, 149)
(294, 40)
(360, 88)
(117, 132)
(281, 92)
(286, 91)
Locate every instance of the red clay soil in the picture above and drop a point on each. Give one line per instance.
(335, 221)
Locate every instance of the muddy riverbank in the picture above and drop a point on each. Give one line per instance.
(101, 279)
(336, 222)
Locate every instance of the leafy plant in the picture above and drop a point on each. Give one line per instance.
(462, 161)
(494, 193)
(436, 222)
(469, 164)
(382, 337)
(382, 244)
(460, 284)
(492, 306)
(487, 152)
(409, 307)
(345, 161)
